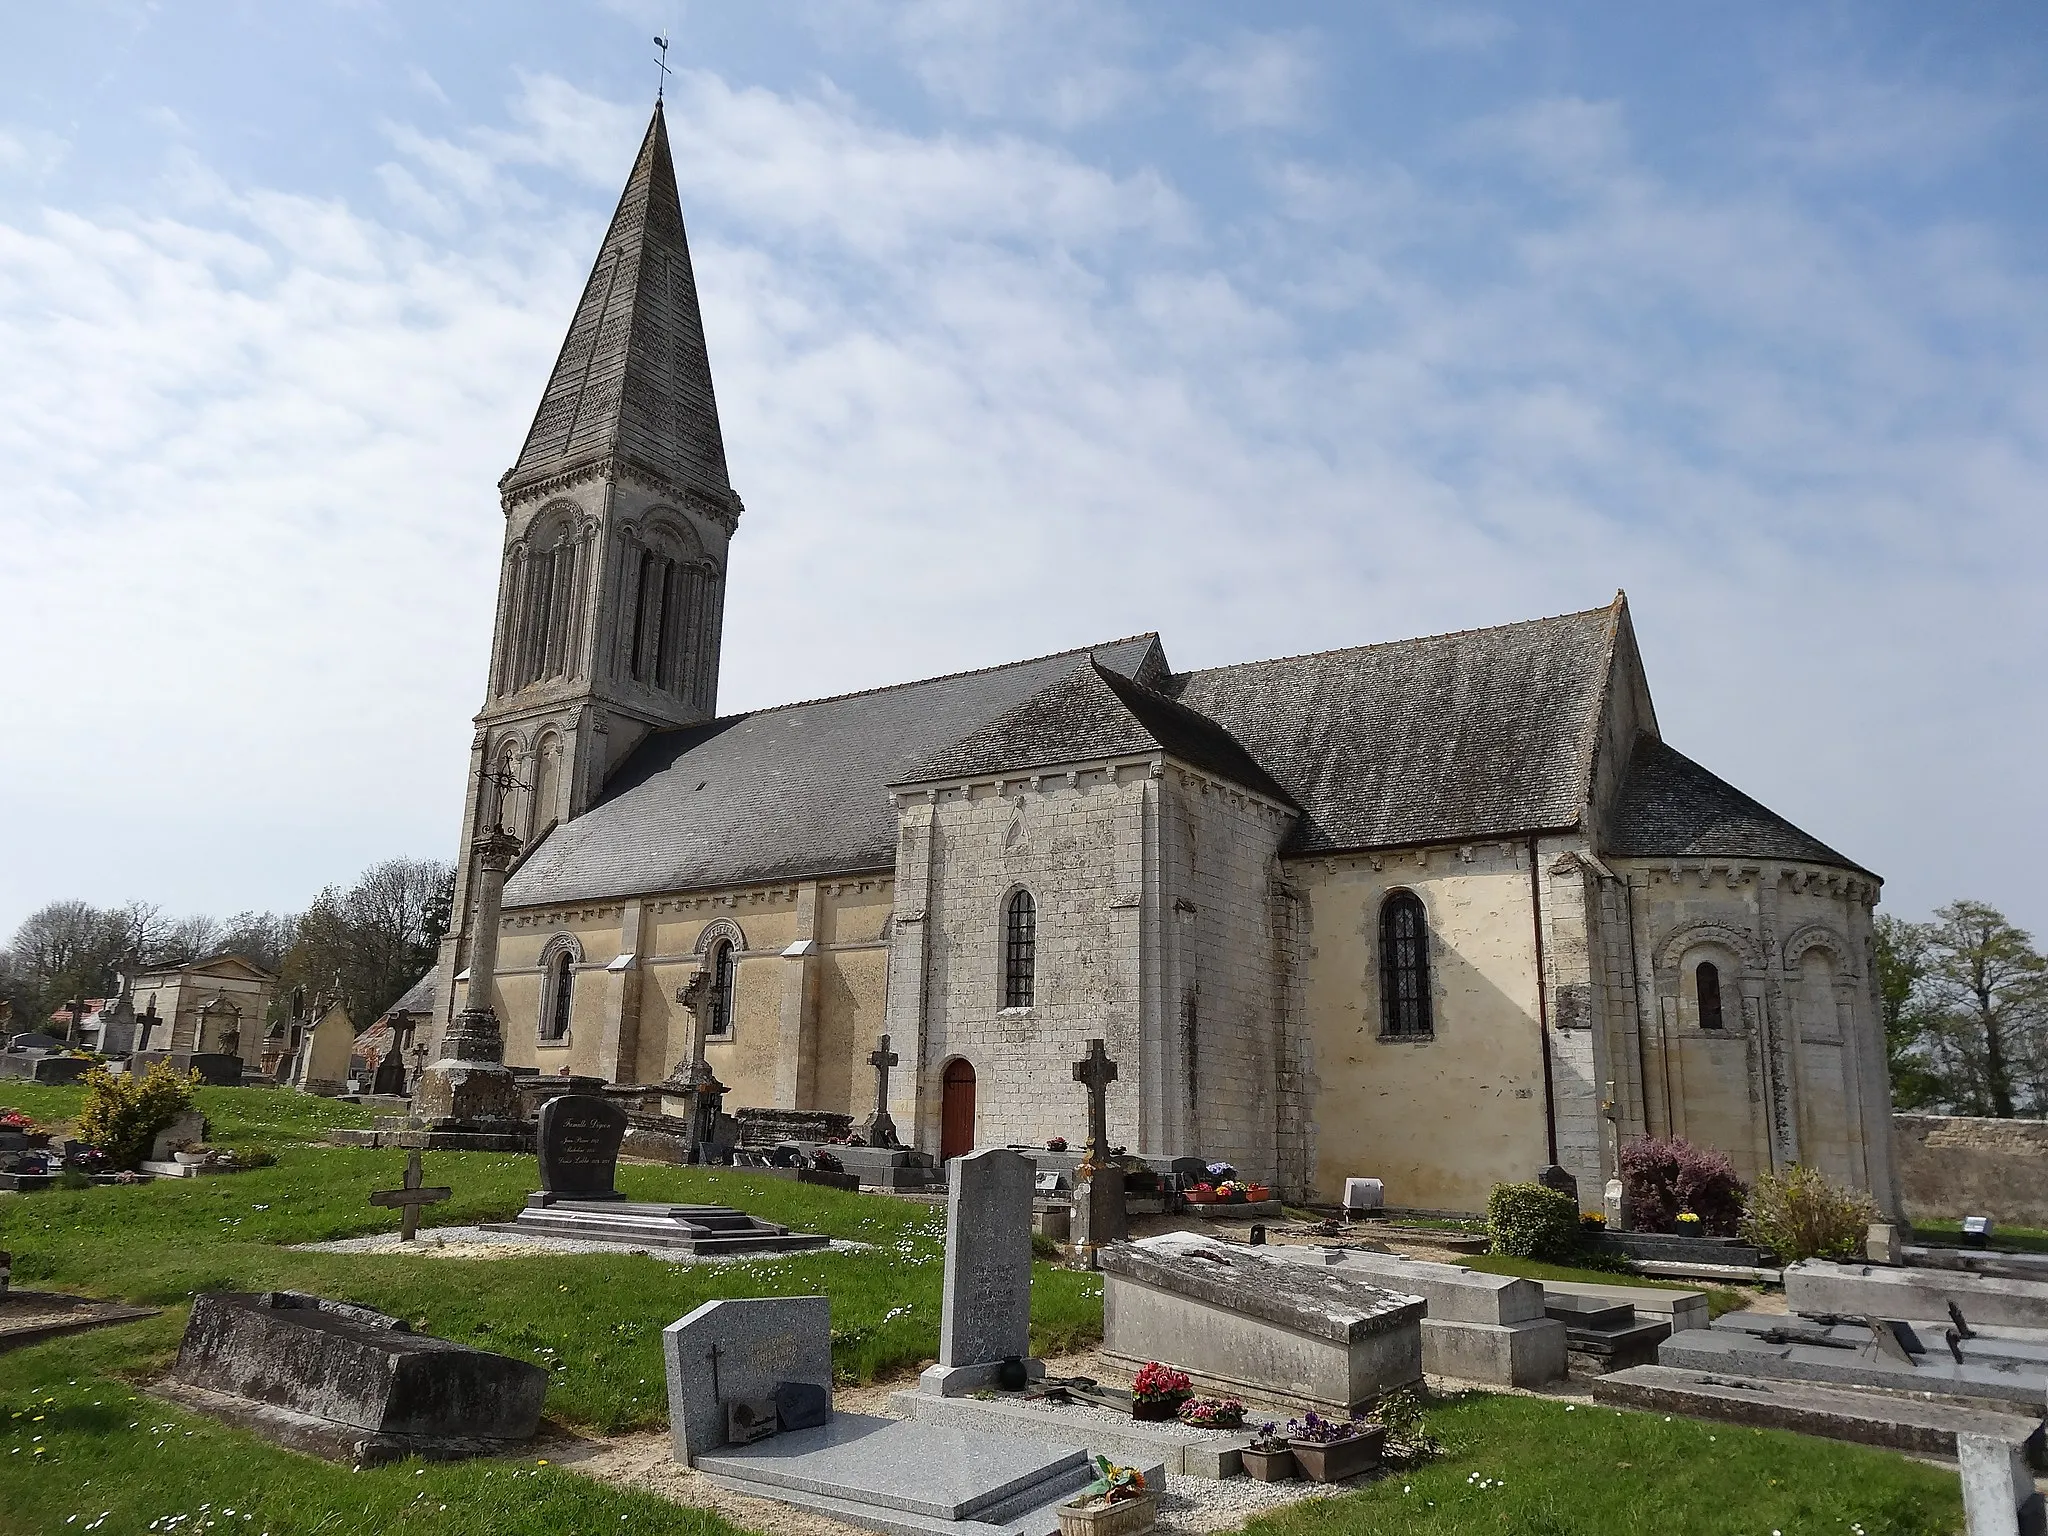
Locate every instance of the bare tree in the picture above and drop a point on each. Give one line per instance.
(373, 939)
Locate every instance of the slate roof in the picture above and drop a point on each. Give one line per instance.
(418, 998)
(801, 790)
(1446, 738)
(1672, 807)
(1092, 713)
(633, 376)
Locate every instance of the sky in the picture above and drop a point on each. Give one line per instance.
(1274, 329)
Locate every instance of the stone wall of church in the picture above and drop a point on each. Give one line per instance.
(1441, 1120)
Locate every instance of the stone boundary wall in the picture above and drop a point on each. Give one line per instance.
(1956, 1165)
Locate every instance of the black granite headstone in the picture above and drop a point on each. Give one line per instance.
(578, 1143)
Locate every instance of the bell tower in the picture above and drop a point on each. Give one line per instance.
(618, 512)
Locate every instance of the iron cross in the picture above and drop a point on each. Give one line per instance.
(1097, 1072)
(410, 1197)
(881, 1058)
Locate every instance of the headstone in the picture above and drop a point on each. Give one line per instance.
(1999, 1498)
(741, 1350)
(578, 1144)
(188, 1129)
(413, 1193)
(1362, 1195)
(985, 1318)
(1099, 1217)
(1881, 1245)
(879, 1130)
(348, 1383)
(1096, 1072)
(1977, 1231)
(1551, 1176)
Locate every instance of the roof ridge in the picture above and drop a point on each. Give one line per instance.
(1381, 645)
(920, 682)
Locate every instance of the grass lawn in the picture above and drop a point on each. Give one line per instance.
(2011, 1239)
(1720, 1298)
(77, 1439)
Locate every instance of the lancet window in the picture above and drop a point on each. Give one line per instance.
(1404, 969)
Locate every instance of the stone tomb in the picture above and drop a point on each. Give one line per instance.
(1817, 1288)
(895, 1475)
(985, 1319)
(348, 1383)
(1239, 1320)
(578, 1147)
(1484, 1328)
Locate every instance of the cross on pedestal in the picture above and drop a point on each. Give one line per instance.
(410, 1197)
(880, 1130)
(1097, 1072)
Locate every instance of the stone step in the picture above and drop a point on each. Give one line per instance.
(656, 1234)
(1834, 1413)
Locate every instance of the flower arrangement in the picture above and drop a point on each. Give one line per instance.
(1593, 1221)
(1113, 1484)
(1314, 1429)
(14, 1120)
(1689, 1223)
(1056, 1144)
(1269, 1439)
(1230, 1190)
(1212, 1413)
(1218, 1172)
(1157, 1383)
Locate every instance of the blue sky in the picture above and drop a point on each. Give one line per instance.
(1273, 328)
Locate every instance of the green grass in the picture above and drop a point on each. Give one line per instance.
(1556, 1470)
(1720, 1298)
(2009, 1239)
(234, 1115)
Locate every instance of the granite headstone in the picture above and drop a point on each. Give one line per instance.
(578, 1143)
(985, 1318)
(744, 1350)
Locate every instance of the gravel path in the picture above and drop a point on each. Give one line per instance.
(476, 1243)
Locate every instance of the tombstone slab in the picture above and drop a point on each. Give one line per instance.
(577, 1143)
(1240, 1321)
(986, 1315)
(1999, 1498)
(1816, 1288)
(348, 1383)
(742, 1348)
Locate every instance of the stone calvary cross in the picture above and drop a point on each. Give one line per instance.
(411, 1197)
(881, 1129)
(1096, 1071)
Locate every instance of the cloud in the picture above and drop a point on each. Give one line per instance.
(1256, 80)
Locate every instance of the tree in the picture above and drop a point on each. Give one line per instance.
(374, 939)
(65, 950)
(1903, 1010)
(1985, 988)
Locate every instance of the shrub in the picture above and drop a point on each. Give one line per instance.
(1662, 1176)
(1042, 1247)
(1800, 1215)
(260, 1157)
(123, 1114)
(1532, 1221)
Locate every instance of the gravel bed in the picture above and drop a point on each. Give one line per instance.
(476, 1243)
(1214, 1504)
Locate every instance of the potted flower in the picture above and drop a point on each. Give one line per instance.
(1117, 1503)
(1689, 1224)
(1159, 1391)
(1269, 1458)
(1230, 1192)
(1212, 1413)
(1202, 1194)
(1056, 1144)
(1330, 1450)
(1592, 1223)
(1258, 1192)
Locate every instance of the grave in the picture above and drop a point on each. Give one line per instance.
(985, 1319)
(1921, 1427)
(766, 1364)
(216, 1069)
(578, 1142)
(1999, 1497)
(411, 1194)
(1682, 1309)
(1818, 1288)
(348, 1383)
(37, 1066)
(1241, 1321)
(1603, 1334)
(1098, 1194)
(879, 1130)
(1484, 1328)
(186, 1130)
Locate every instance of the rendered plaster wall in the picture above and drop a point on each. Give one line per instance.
(1442, 1120)
(1078, 847)
(1796, 1073)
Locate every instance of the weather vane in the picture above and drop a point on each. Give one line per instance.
(661, 63)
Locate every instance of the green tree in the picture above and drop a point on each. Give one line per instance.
(1985, 989)
(372, 940)
(1904, 1012)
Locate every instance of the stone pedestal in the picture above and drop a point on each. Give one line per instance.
(1099, 1217)
(470, 1088)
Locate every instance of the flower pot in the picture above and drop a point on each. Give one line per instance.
(1331, 1461)
(1268, 1466)
(1157, 1409)
(190, 1159)
(1126, 1517)
(1259, 1192)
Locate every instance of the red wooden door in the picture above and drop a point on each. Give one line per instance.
(956, 1110)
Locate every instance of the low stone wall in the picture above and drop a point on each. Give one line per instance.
(1952, 1166)
(771, 1127)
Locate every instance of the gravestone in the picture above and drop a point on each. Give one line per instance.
(412, 1193)
(742, 1350)
(879, 1130)
(1998, 1488)
(578, 1144)
(348, 1383)
(986, 1316)
(1098, 1183)
(186, 1130)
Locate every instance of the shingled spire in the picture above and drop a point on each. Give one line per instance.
(633, 380)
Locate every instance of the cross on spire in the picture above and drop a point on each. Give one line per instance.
(1096, 1071)
(661, 63)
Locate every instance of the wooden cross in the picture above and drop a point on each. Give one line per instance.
(1097, 1072)
(881, 1058)
(410, 1197)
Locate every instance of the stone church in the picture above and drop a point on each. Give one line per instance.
(1439, 911)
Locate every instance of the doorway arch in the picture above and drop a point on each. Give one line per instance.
(956, 1109)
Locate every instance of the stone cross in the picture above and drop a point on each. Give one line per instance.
(1097, 1072)
(880, 1129)
(410, 1197)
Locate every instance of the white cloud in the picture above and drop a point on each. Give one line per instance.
(1256, 79)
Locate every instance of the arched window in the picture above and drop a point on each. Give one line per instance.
(558, 998)
(718, 1013)
(1404, 969)
(548, 580)
(1020, 949)
(1707, 982)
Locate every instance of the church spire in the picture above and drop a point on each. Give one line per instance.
(633, 381)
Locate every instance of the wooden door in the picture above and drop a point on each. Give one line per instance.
(956, 1110)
